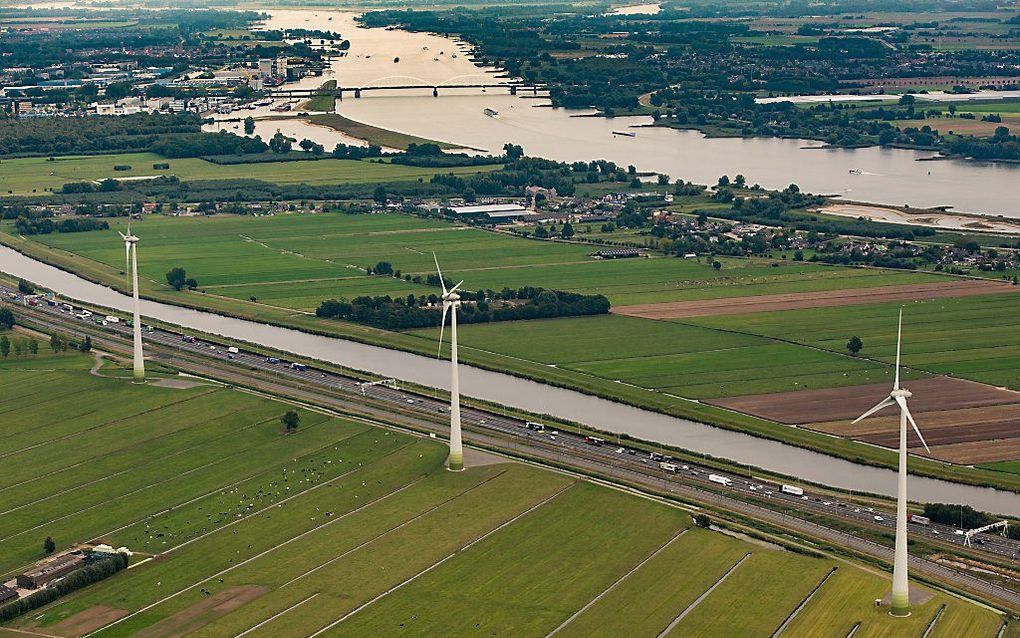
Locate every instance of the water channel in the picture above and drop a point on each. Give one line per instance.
(529, 395)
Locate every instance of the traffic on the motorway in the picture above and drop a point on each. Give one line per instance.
(657, 463)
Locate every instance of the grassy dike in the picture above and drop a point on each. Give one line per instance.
(656, 401)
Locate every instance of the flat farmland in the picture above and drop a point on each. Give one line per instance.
(930, 395)
(289, 260)
(344, 529)
(653, 280)
(976, 338)
(23, 176)
(966, 435)
(818, 299)
(678, 359)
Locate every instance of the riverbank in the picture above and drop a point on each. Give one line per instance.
(927, 217)
(658, 402)
(369, 134)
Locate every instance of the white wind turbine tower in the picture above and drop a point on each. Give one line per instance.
(900, 599)
(451, 300)
(131, 264)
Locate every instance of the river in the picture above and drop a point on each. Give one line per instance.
(889, 176)
(529, 395)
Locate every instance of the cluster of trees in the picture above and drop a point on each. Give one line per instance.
(87, 135)
(407, 313)
(178, 278)
(963, 516)
(7, 319)
(290, 421)
(45, 226)
(199, 144)
(93, 572)
(1001, 146)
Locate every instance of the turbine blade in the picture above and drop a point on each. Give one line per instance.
(442, 327)
(899, 332)
(441, 281)
(884, 403)
(122, 235)
(910, 417)
(454, 289)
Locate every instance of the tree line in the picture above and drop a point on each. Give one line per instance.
(45, 226)
(408, 313)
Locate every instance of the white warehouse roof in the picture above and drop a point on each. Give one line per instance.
(490, 209)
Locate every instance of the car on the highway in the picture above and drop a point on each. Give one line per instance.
(879, 518)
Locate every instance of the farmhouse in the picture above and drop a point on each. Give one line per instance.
(7, 594)
(42, 574)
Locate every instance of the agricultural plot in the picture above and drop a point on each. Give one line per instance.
(818, 299)
(343, 529)
(679, 359)
(832, 612)
(24, 176)
(290, 260)
(975, 337)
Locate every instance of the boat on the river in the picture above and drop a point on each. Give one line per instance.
(491, 112)
(625, 133)
(855, 171)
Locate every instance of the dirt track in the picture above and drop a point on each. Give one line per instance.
(820, 299)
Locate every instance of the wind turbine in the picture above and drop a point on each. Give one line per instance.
(900, 598)
(131, 259)
(451, 300)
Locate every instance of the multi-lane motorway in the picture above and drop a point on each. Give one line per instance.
(755, 495)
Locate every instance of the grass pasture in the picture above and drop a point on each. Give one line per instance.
(974, 337)
(289, 263)
(351, 530)
(670, 357)
(24, 176)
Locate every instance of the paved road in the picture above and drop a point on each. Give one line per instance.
(725, 490)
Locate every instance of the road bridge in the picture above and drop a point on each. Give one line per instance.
(514, 88)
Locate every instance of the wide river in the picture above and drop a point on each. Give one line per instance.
(529, 395)
(887, 176)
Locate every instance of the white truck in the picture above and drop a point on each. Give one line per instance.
(720, 479)
(669, 467)
(792, 489)
(112, 319)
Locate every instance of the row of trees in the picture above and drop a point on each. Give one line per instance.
(408, 313)
(45, 226)
(21, 346)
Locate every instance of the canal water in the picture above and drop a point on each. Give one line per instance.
(529, 395)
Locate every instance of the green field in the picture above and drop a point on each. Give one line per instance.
(293, 260)
(972, 337)
(688, 361)
(237, 528)
(279, 268)
(24, 176)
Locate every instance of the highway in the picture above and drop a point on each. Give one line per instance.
(750, 495)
